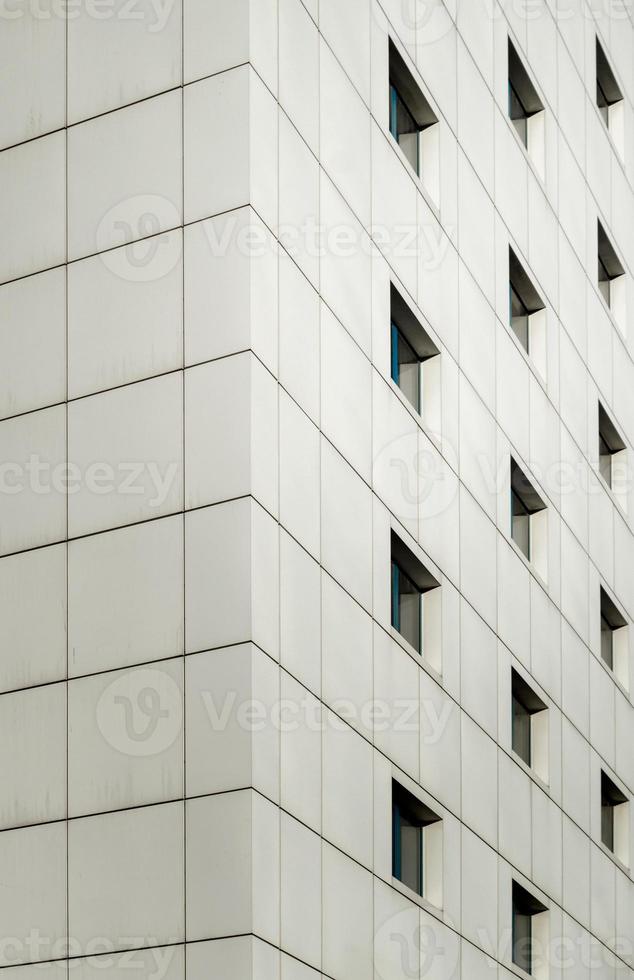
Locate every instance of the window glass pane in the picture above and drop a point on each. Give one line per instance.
(406, 607)
(518, 114)
(396, 605)
(394, 112)
(520, 525)
(522, 940)
(404, 128)
(607, 648)
(406, 368)
(519, 319)
(602, 103)
(407, 849)
(605, 461)
(521, 731)
(410, 605)
(607, 825)
(604, 281)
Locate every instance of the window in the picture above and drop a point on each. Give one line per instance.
(415, 603)
(530, 726)
(611, 446)
(528, 925)
(527, 313)
(610, 99)
(614, 819)
(614, 639)
(413, 124)
(416, 845)
(415, 361)
(528, 519)
(525, 109)
(610, 276)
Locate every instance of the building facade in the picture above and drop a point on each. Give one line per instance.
(316, 429)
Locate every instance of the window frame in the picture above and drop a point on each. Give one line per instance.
(420, 817)
(405, 323)
(522, 290)
(612, 797)
(529, 505)
(608, 90)
(525, 907)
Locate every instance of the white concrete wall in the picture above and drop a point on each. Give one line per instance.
(202, 700)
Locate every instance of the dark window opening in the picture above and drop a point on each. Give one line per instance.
(410, 112)
(611, 797)
(525, 907)
(525, 502)
(611, 621)
(608, 91)
(523, 100)
(610, 443)
(409, 819)
(525, 704)
(609, 265)
(411, 346)
(524, 300)
(410, 580)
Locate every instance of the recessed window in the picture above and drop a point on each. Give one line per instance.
(530, 726)
(610, 276)
(611, 446)
(416, 844)
(614, 819)
(528, 519)
(527, 313)
(415, 603)
(413, 124)
(415, 361)
(528, 925)
(525, 109)
(610, 99)
(614, 639)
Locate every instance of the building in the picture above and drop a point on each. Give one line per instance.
(317, 566)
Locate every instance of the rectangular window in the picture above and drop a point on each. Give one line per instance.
(525, 109)
(526, 911)
(412, 837)
(527, 313)
(528, 519)
(614, 638)
(406, 607)
(415, 603)
(405, 367)
(414, 124)
(518, 113)
(614, 819)
(530, 725)
(610, 99)
(521, 729)
(404, 128)
(611, 277)
(415, 361)
(610, 446)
